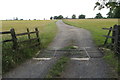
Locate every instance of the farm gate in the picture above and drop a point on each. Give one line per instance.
(15, 41)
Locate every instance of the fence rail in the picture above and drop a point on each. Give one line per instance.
(15, 41)
(115, 37)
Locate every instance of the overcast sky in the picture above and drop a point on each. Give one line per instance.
(40, 9)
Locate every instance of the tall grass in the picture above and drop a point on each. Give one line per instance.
(12, 58)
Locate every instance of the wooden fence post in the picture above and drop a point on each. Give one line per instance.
(28, 34)
(107, 35)
(14, 38)
(114, 33)
(37, 34)
(116, 38)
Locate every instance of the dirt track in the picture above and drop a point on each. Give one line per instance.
(67, 36)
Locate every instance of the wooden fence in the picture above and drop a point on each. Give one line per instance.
(14, 38)
(115, 37)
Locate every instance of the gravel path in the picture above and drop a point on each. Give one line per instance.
(67, 36)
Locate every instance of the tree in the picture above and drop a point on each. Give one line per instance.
(51, 18)
(66, 17)
(16, 18)
(81, 16)
(60, 17)
(73, 16)
(55, 17)
(21, 19)
(99, 16)
(114, 7)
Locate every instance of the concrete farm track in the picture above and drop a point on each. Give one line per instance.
(68, 35)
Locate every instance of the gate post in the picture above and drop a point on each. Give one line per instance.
(14, 38)
(37, 34)
(28, 34)
(118, 43)
(114, 33)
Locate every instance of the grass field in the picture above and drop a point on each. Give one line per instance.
(95, 27)
(13, 58)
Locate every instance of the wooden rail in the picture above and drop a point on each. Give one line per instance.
(115, 37)
(15, 41)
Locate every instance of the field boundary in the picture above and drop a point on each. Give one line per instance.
(115, 38)
(15, 41)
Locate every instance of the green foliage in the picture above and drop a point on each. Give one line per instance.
(55, 17)
(117, 12)
(81, 16)
(110, 14)
(111, 58)
(58, 17)
(99, 16)
(73, 16)
(58, 68)
(51, 18)
(113, 6)
(12, 58)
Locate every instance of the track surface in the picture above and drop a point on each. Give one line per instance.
(67, 35)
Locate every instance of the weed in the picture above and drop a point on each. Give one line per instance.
(58, 68)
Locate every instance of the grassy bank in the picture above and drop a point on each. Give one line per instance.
(95, 27)
(12, 58)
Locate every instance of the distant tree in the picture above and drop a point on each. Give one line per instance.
(81, 16)
(21, 19)
(15, 18)
(73, 16)
(51, 18)
(55, 17)
(34, 19)
(99, 15)
(60, 17)
(66, 17)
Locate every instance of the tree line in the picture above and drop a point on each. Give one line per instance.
(72, 17)
(112, 5)
(98, 16)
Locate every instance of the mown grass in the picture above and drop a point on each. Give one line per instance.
(58, 68)
(95, 27)
(12, 58)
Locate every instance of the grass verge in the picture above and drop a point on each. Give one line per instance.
(111, 58)
(12, 58)
(58, 68)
